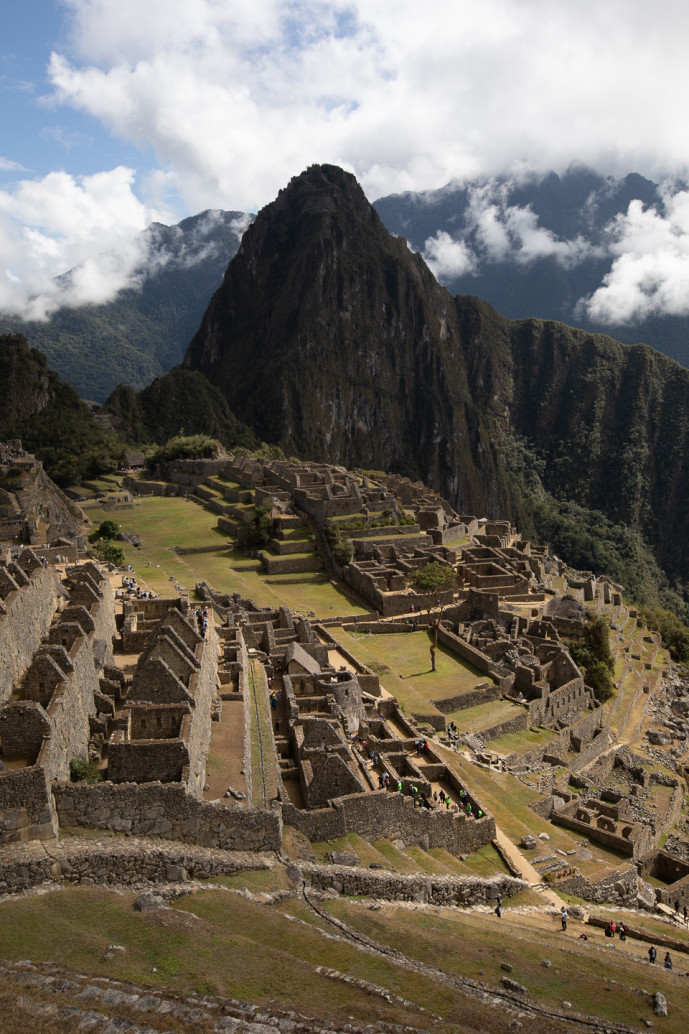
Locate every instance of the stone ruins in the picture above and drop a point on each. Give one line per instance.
(136, 686)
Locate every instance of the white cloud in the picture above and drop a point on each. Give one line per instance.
(448, 258)
(650, 271)
(235, 97)
(495, 231)
(60, 222)
(227, 99)
(7, 165)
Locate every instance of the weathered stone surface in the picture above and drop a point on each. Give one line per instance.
(514, 985)
(659, 1004)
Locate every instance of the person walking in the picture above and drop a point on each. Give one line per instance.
(564, 917)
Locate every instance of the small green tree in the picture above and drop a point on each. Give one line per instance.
(109, 553)
(433, 577)
(258, 531)
(106, 530)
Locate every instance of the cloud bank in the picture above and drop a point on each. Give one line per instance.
(226, 99)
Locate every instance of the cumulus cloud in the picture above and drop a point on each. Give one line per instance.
(448, 258)
(234, 96)
(226, 99)
(650, 270)
(88, 224)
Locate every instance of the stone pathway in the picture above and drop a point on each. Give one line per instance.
(525, 869)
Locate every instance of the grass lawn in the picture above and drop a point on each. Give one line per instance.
(521, 742)
(163, 522)
(483, 716)
(403, 662)
(213, 942)
(477, 944)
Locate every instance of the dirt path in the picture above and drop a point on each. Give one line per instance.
(525, 868)
(226, 754)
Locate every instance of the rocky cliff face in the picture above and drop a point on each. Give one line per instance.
(331, 339)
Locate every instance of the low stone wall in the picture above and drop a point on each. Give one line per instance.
(166, 811)
(458, 703)
(393, 815)
(519, 723)
(190, 550)
(592, 750)
(672, 943)
(617, 888)
(461, 891)
(118, 861)
(290, 564)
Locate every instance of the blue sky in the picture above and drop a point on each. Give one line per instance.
(116, 113)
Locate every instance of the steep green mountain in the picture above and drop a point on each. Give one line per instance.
(75, 441)
(180, 402)
(332, 340)
(49, 417)
(146, 328)
(536, 245)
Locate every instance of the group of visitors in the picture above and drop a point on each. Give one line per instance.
(202, 620)
(653, 955)
(130, 587)
(613, 928)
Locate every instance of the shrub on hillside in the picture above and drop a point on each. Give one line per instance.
(187, 447)
(592, 654)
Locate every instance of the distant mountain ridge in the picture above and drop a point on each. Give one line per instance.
(144, 331)
(535, 247)
(532, 248)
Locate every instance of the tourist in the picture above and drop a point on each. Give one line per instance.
(668, 961)
(652, 954)
(564, 917)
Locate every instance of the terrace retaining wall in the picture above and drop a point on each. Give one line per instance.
(167, 811)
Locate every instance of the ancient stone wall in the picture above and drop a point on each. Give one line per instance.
(466, 651)
(479, 696)
(617, 888)
(143, 761)
(590, 752)
(127, 862)
(151, 722)
(25, 619)
(461, 891)
(70, 709)
(26, 806)
(518, 723)
(381, 814)
(205, 692)
(167, 811)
